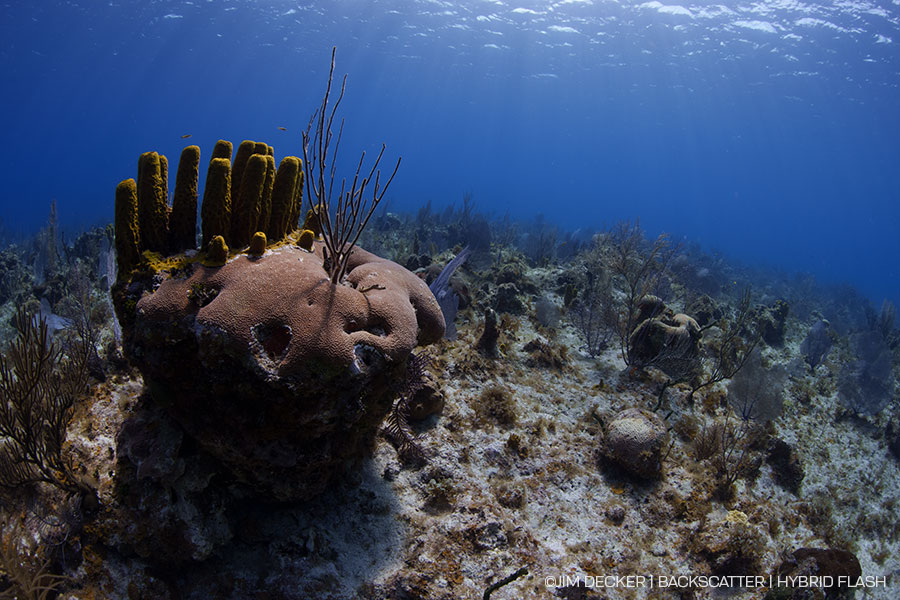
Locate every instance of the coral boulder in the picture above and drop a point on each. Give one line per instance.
(635, 440)
(277, 372)
(281, 375)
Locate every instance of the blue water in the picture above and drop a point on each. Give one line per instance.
(769, 130)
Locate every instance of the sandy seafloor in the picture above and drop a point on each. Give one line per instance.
(530, 490)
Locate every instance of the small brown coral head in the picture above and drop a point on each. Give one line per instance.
(635, 440)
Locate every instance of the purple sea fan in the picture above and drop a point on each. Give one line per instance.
(817, 343)
(446, 297)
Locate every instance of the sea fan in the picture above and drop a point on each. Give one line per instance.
(817, 343)
(396, 427)
(866, 385)
(446, 297)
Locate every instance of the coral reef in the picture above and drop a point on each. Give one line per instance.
(246, 455)
(276, 372)
(772, 323)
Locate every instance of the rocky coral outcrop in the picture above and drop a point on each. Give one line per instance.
(275, 371)
(663, 339)
(705, 310)
(772, 323)
(787, 470)
(508, 300)
(731, 544)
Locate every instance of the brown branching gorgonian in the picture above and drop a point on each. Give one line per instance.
(396, 428)
(343, 218)
(39, 384)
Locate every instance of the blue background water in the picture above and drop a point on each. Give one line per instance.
(767, 130)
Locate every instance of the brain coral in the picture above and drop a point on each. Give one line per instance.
(281, 375)
(285, 312)
(635, 440)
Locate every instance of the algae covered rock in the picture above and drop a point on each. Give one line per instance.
(507, 299)
(808, 566)
(705, 310)
(787, 470)
(731, 544)
(635, 440)
(170, 508)
(280, 375)
(773, 321)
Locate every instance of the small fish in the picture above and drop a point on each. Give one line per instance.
(186, 136)
(282, 129)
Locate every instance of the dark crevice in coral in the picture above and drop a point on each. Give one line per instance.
(378, 328)
(274, 338)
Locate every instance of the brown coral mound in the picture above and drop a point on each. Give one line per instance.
(284, 312)
(662, 339)
(277, 372)
(281, 375)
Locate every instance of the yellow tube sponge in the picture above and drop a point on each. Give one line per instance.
(297, 210)
(152, 202)
(257, 244)
(164, 175)
(128, 237)
(312, 222)
(183, 219)
(283, 198)
(217, 251)
(245, 150)
(245, 212)
(215, 213)
(222, 149)
(265, 207)
(306, 240)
